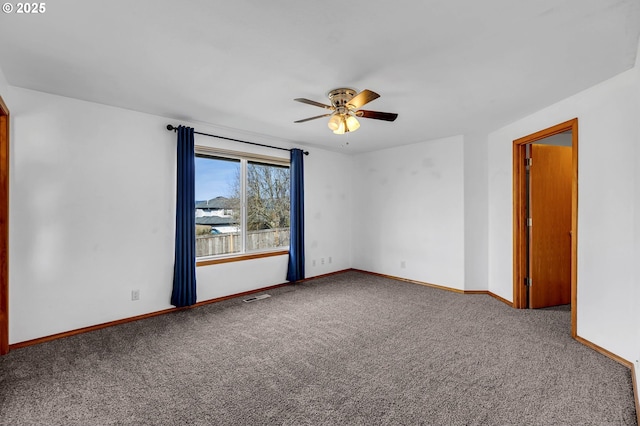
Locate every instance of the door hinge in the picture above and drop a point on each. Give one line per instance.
(529, 221)
(528, 162)
(527, 282)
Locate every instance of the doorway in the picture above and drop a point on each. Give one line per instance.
(542, 258)
(4, 228)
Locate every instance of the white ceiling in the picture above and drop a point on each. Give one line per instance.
(447, 67)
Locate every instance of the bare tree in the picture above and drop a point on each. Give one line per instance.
(267, 196)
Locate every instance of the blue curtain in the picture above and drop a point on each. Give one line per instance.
(184, 268)
(295, 271)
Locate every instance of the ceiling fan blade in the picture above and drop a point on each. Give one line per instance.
(363, 98)
(314, 103)
(377, 115)
(312, 118)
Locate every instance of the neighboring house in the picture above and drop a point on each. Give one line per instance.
(217, 214)
(218, 206)
(221, 224)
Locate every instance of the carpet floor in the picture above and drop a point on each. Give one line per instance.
(352, 349)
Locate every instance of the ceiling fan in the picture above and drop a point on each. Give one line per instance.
(345, 107)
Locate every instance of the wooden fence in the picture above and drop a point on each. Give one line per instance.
(215, 244)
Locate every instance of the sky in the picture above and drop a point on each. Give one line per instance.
(215, 178)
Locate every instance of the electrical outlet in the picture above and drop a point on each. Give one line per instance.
(322, 261)
(329, 259)
(135, 294)
(403, 264)
(313, 263)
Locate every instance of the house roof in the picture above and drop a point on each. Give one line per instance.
(447, 67)
(216, 221)
(214, 203)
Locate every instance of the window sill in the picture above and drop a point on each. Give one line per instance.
(241, 257)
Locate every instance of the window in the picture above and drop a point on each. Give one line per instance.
(242, 203)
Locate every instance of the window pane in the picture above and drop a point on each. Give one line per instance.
(218, 214)
(267, 206)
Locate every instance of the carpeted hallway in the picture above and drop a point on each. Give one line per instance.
(347, 349)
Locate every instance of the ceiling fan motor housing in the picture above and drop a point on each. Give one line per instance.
(341, 97)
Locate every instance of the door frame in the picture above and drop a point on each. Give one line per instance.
(4, 227)
(519, 215)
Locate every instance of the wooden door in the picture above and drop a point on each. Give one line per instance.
(550, 212)
(4, 228)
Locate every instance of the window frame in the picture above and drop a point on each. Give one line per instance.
(245, 158)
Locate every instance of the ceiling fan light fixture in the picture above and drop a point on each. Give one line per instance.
(334, 122)
(352, 123)
(342, 127)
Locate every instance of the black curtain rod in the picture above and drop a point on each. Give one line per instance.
(171, 127)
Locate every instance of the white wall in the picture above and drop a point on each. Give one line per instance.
(476, 212)
(84, 180)
(408, 207)
(328, 207)
(608, 301)
(4, 86)
(92, 216)
(636, 295)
